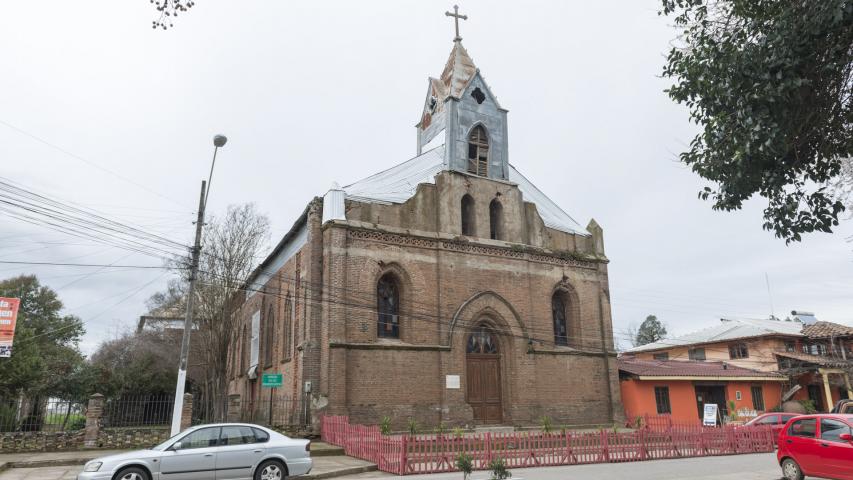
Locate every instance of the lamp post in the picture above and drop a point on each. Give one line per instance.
(218, 141)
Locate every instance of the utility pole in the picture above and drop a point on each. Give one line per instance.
(177, 410)
(188, 317)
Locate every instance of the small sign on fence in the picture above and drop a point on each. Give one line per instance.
(710, 415)
(272, 380)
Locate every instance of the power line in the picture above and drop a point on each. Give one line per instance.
(93, 164)
(160, 267)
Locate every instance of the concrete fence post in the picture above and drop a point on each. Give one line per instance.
(187, 412)
(234, 405)
(94, 412)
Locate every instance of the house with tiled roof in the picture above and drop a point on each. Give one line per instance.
(682, 388)
(815, 357)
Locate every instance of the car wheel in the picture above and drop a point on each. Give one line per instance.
(791, 471)
(132, 473)
(270, 470)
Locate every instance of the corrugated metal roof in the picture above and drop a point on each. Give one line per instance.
(728, 329)
(399, 183)
(458, 71)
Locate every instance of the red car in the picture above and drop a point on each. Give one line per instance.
(817, 446)
(776, 420)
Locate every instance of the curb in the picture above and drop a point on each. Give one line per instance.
(328, 452)
(341, 472)
(64, 462)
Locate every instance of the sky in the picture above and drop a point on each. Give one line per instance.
(99, 109)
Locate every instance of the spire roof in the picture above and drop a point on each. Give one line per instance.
(458, 71)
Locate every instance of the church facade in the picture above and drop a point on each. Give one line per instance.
(447, 288)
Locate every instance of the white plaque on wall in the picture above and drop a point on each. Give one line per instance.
(453, 382)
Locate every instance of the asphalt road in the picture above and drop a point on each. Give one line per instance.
(737, 467)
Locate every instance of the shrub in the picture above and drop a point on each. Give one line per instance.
(545, 422)
(385, 426)
(809, 406)
(413, 426)
(465, 464)
(441, 429)
(499, 471)
(458, 432)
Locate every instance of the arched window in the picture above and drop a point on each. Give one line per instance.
(559, 312)
(388, 306)
(481, 341)
(468, 216)
(244, 351)
(478, 152)
(496, 226)
(287, 329)
(269, 336)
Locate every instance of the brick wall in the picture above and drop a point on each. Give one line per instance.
(448, 285)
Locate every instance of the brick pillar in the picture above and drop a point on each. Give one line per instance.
(187, 412)
(234, 404)
(93, 420)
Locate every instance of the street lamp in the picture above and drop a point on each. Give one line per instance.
(218, 141)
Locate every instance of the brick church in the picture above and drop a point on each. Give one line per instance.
(446, 288)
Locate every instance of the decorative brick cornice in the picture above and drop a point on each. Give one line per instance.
(582, 353)
(519, 252)
(389, 346)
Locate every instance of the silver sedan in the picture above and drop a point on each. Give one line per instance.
(228, 451)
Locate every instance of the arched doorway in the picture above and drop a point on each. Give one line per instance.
(484, 375)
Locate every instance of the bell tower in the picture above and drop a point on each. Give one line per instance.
(461, 107)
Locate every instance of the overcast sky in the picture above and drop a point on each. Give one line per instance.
(314, 92)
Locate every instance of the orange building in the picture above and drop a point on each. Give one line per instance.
(814, 356)
(682, 388)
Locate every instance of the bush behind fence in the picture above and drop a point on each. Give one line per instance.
(279, 412)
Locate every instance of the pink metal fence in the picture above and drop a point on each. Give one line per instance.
(409, 454)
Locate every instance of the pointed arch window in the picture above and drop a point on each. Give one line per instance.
(244, 351)
(481, 340)
(478, 152)
(496, 226)
(287, 329)
(388, 306)
(269, 337)
(559, 313)
(468, 216)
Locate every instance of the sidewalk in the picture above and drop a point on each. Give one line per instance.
(328, 463)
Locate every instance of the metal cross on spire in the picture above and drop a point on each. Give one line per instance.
(456, 18)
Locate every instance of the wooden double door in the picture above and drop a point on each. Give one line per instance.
(483, 377)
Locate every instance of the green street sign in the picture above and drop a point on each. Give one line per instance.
(271, 380)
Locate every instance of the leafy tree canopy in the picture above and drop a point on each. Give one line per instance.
(45, 356)
(138, 363)
(650, 331)
(770, 84)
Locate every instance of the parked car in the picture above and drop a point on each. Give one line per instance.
(776, 421)
(843, 406)
(817, 446)
(229, 451)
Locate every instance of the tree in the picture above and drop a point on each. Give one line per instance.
(169, 9)
(139, 363)
(45, 357)
(230, 248)
(650, 331)
(770, 84)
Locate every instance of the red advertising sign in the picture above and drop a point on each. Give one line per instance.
(8, 317)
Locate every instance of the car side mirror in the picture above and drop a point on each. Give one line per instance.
(846, 437)
(175, 446)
